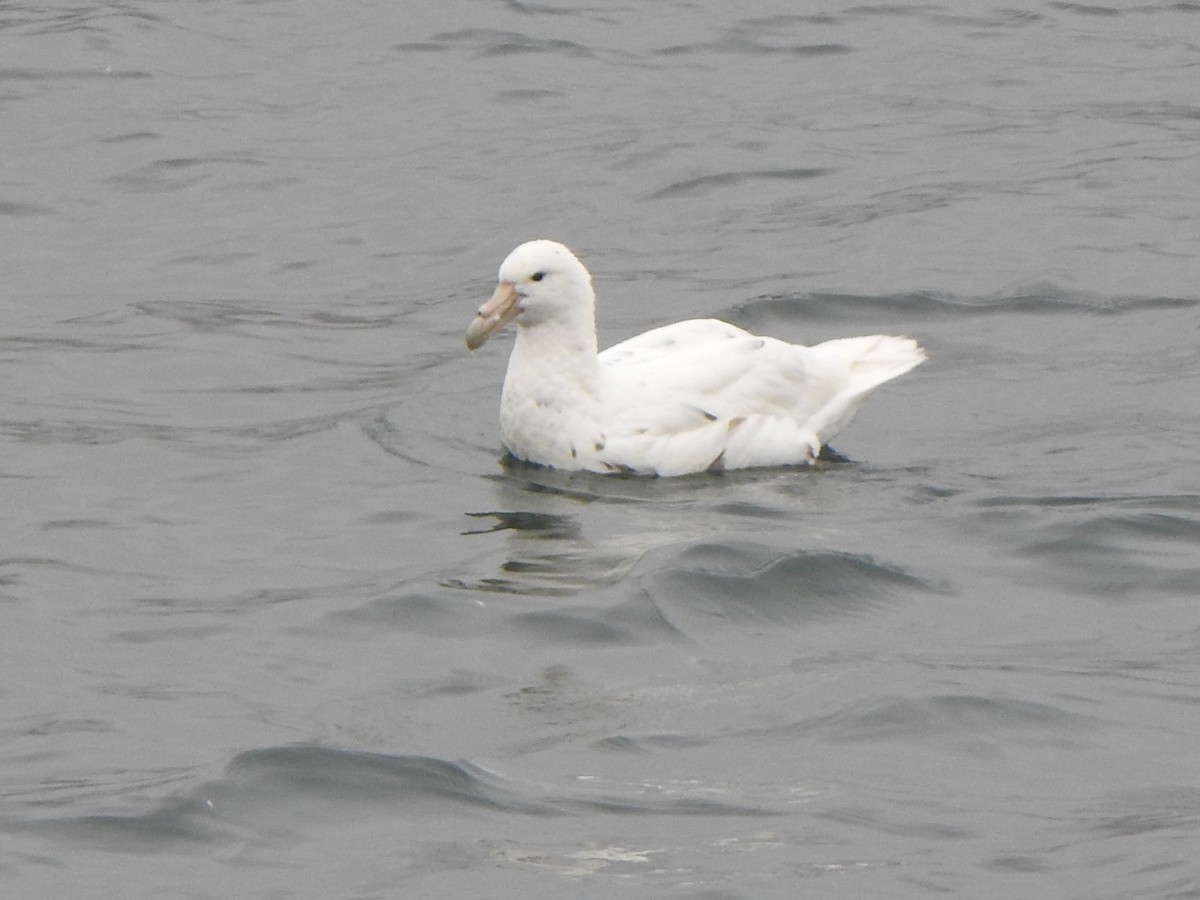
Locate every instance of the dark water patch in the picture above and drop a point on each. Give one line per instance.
(20, 563)
(546, 554)
(647, 743)
(90, 19)
(43, 75)
(234, 604)
(283, 790)
(437, 613)
(748, 583)
(516, 605)
(539, 9)
(546, 526)
(961, 716)
(927, 306)
(422, 47)
(1152, 527)
(619, 744)
(574, 629)
(83, 433)
(675, 806)
(281, 794)
(526, 95)
(934, 493)
(175, 173)
(549, 574)
(744, 508)
(229, 258)
(129, 136)
(520, 45)
(1016, 863)
(892, 9)
(1173, 116)
(72, 524)
(178, 826)
(370, 376)
(300, 265)
(213, 315)
(789, 20)
(53, 726)
(619, 618)
(493, 42)
(17, 210)
(279, 430)
(985, 23)
(1085, 9)
(1181, 502)
(172, 634)
(543, 553)
(789, 35)
(320, 777)
(36, 346)
(243, 438)
(874, 820)
(1135, 812)
(582, 486)
(705, 184)
(223, 314)
(745, 45)
(1120, 557)
(741, 44)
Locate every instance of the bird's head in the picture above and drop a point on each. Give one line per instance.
(538, 282)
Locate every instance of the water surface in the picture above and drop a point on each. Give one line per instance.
(276, 621)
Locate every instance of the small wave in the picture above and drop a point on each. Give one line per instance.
(174, 173)
(949, 715)
(648, 743)
(42, 75)
(1154, 809)
(1135, 555)
(705, 183)
(313, 774)
(741, 44)
(495, 42)
(458, 608)
(16, 210)
(289, 787)
(276, 793)
(926, 306)
(749, 583)
(1086, 9)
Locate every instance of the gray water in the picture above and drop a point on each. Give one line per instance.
(275, 622)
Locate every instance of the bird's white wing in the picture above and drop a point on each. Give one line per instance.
(704, 393)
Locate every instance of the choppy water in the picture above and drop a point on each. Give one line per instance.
(274, 622)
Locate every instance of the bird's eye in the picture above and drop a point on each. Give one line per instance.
(537, 276)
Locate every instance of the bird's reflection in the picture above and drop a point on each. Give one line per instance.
(544, 526)
(551, 520)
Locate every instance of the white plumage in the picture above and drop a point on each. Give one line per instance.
(694, 396)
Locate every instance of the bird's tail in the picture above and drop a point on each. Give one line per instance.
(866, 363)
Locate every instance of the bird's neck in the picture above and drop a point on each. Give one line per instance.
(562, 336)
(560, 354)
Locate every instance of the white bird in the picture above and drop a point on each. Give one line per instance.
(700, 395)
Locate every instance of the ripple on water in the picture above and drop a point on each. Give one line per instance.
(669, 592)
(711, 583)
(299, 785)
(1111, 548)
(274, 792)
(950, 716)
